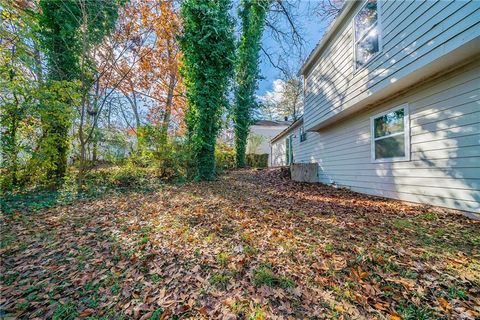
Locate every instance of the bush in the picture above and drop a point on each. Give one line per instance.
(224, 157)
(170, 158)
(129, 176)
(257, 160)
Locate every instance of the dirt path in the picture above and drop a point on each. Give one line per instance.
(251, 245)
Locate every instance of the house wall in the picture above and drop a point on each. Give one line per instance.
(279, 153)
(414, 34)
(267, 132)
(444, 169)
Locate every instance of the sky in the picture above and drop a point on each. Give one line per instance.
(312, 29)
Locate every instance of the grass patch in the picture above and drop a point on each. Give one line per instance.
(220, 280)
(222, 259)
(155, 278)
(404, 224)
(258, 313)
(65, 311)
(265, 276)
(455, 293)
(406, 273)
(96, 184)
(156, 314)
(412, 312)
(429, 216)
(329, 247)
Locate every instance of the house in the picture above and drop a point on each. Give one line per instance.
(261, 132)
(392, 103)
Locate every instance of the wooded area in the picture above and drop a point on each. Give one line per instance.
(132, 84)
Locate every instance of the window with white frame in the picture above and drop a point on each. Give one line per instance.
(367, 33)
(391, 135)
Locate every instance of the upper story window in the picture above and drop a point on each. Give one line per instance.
(367, 33)
(303, 134)
(391, 135)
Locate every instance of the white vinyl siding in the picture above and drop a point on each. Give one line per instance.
(414, 34)
(279, 153)
(444, 168)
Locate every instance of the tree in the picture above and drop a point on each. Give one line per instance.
(19, 76)
(160, 67)
(284, 101)
(291, 105)
(138, 74)
(59, 22)
(208, 55)
(252, 13)
(69, 30)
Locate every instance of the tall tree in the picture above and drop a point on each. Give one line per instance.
(69, 29)
(160, 67)
(59, 22)
(252, 13)
(142, 61)
(208, 56)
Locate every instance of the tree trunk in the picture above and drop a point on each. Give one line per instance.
(253, 21)
(168, 110)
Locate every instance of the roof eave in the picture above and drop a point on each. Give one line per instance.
(295, 124)
(332, 30)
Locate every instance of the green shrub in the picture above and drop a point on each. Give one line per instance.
(257, 160)
(128, 176)
(224, 157)
(170, 157)
(173, 161)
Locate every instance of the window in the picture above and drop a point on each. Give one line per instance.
(303, 134)
(391, 135)
(367, 33)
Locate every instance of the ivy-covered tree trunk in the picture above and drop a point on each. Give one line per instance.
(208, 53)
(253, 14)
(68, 29)
(59, 23)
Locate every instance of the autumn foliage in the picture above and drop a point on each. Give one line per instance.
(251, 245)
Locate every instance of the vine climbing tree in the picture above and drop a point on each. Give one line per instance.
(208, 53)
(252, 14)
(68, 31)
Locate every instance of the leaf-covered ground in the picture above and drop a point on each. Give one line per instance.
(251, 245)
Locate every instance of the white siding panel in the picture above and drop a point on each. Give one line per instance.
(445, 146)
(414, 33)
(279, 153)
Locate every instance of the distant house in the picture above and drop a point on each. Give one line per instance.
(392, 103)
(261, 132)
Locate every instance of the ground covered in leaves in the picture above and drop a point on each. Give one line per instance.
(252, 245)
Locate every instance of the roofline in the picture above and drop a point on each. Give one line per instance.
(331, 32)
(295, 124)
(271, 125)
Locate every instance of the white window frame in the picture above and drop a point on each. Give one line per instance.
(355, 41)
(406, 133)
